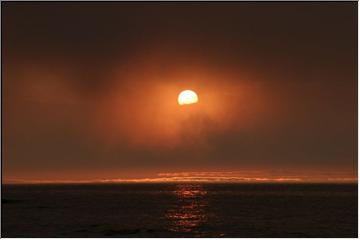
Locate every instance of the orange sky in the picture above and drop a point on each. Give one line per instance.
(277, 96)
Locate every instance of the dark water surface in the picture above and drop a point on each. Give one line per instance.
(180, 210)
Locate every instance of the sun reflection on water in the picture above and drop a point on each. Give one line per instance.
(189, 212)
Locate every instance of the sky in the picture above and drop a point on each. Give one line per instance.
(90, 91)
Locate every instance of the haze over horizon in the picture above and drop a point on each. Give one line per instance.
(90, 92)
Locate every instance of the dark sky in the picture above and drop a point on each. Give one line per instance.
(90, 89)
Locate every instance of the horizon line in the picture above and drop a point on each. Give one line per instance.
(183, 180)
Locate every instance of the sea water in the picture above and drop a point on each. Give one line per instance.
(179, 210)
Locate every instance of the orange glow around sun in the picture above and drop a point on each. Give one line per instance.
(176, 107)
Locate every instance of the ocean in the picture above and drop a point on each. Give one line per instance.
(180, 210)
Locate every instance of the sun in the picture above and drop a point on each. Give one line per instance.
(187, 97)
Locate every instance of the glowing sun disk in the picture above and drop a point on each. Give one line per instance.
(187, 97)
